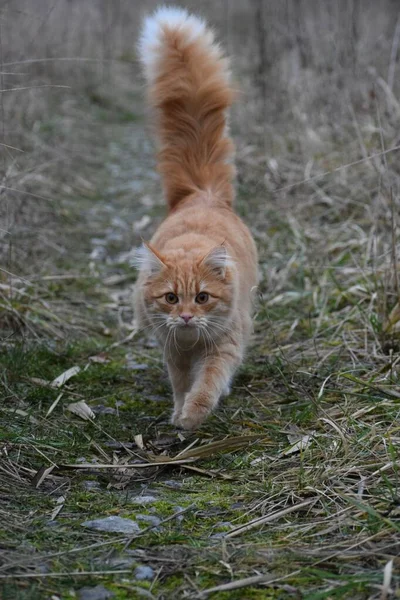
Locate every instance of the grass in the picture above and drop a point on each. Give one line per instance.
(291, 489)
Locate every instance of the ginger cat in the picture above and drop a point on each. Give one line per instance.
(198, 272)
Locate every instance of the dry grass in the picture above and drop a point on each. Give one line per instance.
(297, 474)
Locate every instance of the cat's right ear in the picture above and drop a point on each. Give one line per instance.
(148, 259)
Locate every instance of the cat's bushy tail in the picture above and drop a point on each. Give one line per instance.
(188, 86)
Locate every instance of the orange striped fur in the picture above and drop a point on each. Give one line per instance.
(198, 272)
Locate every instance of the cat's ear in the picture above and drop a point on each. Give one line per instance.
(218, 260)
(148, 259)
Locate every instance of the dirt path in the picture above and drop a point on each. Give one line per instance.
(101, 497)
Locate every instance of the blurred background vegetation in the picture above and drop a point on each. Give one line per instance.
(313, 71)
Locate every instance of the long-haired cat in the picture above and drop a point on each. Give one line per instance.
(198, 272)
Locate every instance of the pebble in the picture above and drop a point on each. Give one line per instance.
(113, 524)
(144, 572)
(135, 366)
(143, 500)
(150, 519)
(224, 524)
(103, 410)
(173, 484)
(51, 523)
(91, 486)
(99, 592)
(178, 509)
(155, 398)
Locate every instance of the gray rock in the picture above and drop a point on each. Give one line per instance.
(99, 592)
(135, 366)
(155, 398)
(178, 509)
(118, 222)
(53, 524)
(91, 486)
(151, 343)
(144, 572)
(98, 253)
(221, 525)
(119, 445)
(113, 525)
(143, 500)
(103, 410)
(224, 525)
(173, 484)
(121, 563)
(150, 519)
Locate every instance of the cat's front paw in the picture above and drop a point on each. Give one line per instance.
(196, 409)
(176, 418)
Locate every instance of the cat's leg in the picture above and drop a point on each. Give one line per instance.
(212, 380)
(180, 381)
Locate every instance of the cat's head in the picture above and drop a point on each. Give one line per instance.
(190, 294)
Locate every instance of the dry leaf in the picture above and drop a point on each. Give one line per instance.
(101, 359)
(41, 475)
(52, 407)
(60, 504)
(22, 413)
(392, 324)
(139, 441)
(63, 378)
(82, 410)
(387, 579)
(298, 443)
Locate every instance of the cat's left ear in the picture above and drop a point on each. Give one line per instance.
(218, 260)
(148, 259)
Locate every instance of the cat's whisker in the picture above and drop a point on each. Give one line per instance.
(166, 343)
(176, 341)
(198, 337)
(209, 339)
(216, 326)
(214, 344)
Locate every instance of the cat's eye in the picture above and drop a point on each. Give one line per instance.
(171, 298)
(202, 298)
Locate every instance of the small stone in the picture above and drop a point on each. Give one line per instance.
(52, 524)
(155, 398)
(135, 366)
(216, 536)
(151, 343)
(98, 253)
(121, 563)
(118, 222)
(173, 484)
(120, 445)
(143, 500)
(150, 519)
(103, 410)
(91, 486)
(113, 525)
(43, 569)
(178, 509)
(99, 592)
(224, 524)
(143, 572)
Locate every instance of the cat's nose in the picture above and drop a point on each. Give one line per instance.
(186, 317)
